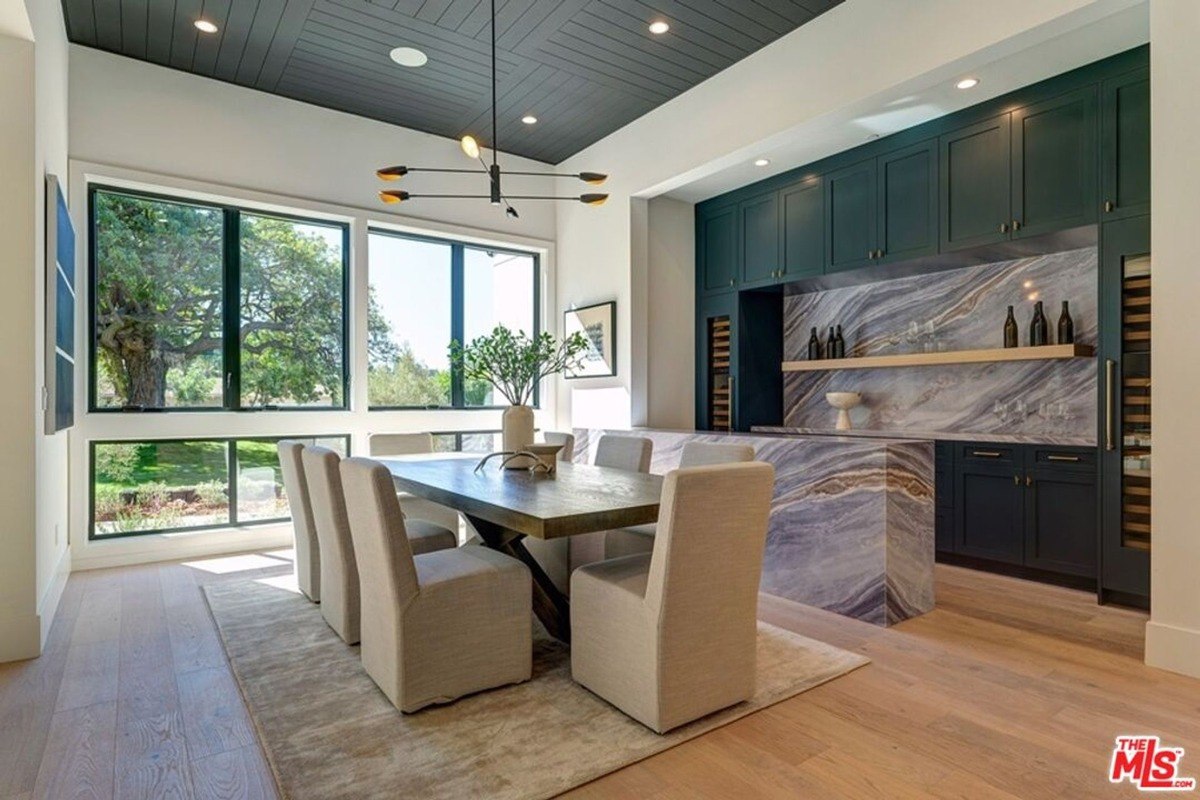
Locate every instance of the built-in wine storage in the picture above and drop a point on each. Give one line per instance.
(720, 400)
(1125, 397)
(1135, 402)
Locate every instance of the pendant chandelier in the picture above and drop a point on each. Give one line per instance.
(472, 148)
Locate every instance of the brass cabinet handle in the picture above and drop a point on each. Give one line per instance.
(1109, 205)
(1016, 480)
(1028, 480)
(1110, 368)
(1069, 459)
(1004, 227)
(731, 281)
(985, 453)
(1016, 225)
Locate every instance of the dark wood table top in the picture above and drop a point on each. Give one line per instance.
(576, 499)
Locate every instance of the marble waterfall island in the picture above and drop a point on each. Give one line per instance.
(851, 528)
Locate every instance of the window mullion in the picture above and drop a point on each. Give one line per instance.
(231, 312)
(457, 321)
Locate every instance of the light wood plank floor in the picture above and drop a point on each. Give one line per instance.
(1009, 689)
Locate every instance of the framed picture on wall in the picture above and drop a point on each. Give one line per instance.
(59, 389)
(598, 323)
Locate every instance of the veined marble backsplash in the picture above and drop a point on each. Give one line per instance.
(967, 310)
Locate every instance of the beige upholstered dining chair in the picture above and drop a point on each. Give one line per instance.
(383, 445)
(308, 552)
(670, 636)
(400, 444)
(640, 538)
(339, 564)
(624, 452)
(567, 440)
(435, 626)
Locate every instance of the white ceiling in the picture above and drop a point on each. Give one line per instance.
(930, 96)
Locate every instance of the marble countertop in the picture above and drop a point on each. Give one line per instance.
(999, 438)
(854, 437)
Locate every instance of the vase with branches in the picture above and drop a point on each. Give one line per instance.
(515, 363)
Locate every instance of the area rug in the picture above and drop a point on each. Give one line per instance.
(330, 733)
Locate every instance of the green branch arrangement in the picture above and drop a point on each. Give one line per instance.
(515, 363)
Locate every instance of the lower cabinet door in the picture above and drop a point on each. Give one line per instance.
(989, 512)
(1060, 521)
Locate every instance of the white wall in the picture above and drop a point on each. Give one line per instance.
(847, 64)
(1173, 634)
(671, 289)
(50, 70)
(128, 113)
(141, 125)
(19, 627)
(33, 544)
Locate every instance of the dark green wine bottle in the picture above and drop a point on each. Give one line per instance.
(814, 346)
(1010, 329)
(1066, 326)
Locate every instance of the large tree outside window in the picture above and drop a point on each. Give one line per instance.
(165, 334)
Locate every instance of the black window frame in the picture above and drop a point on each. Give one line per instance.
(231, 262)
(231, 467)
(458, 250)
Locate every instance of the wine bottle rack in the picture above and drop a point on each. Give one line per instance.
(1135, 403)
(720, 400)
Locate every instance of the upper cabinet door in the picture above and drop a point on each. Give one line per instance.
(974, 176)
(1054, 164)
(803, 228)
(850, 217)
(908, 201)
(719, 250)
(1125, 145)
(760, 238)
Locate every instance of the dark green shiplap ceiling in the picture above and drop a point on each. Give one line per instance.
(583, 67)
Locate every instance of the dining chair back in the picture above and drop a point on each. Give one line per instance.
(567, 440)
(624, 452)
(307, 550)
(400, 444)
(339, 569)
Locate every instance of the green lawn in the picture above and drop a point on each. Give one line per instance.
(182, 464)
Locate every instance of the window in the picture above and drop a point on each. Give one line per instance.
(179, 485)
(425, 293)
(200, 306)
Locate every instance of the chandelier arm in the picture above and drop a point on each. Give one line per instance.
(543, 174)
(574, 198)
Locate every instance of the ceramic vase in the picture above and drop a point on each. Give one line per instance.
(517, 432)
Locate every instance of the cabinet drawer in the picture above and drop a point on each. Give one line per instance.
(1082, 459)
(984, 453)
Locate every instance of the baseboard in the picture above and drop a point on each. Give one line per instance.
(48, 605)
(174, 547)
(1173, 648)
(20, 637)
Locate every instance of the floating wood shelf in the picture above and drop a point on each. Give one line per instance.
(1045, 353)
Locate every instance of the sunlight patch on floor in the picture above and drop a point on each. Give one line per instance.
(285, 582)
(224, 565)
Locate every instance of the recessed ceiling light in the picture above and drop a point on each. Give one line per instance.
(659, 27)
(967, 83)
(409, 57)
(204, 26)
(761, 162)
(529, 119)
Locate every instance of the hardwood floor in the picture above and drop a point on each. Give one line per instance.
(1008, 689)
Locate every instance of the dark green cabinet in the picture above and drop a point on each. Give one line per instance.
(760, 241)
(717, 249)
(851, 217)
(803, 209)
(908, 203)
(1027, 506)
(1060, 521)
(1054, 164)
(975, 184)
(1125, 145)
(989, 503)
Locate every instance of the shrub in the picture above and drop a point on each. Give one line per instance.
(153, 494)
(108, 500)
(116, 463)
(212, 493)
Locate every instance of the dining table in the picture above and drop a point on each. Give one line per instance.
(505, 506)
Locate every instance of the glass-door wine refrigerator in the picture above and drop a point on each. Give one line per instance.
(1126, 443)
